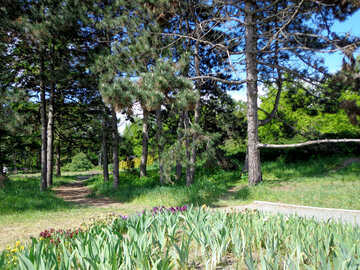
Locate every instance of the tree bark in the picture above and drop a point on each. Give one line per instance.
(254, 174)
(245, 169)
(145, 142)
(178, 159)
(160, 145)
(50, 139)
(105, 162)
(43, 182)
(187, 147)
(115, 148)
(264, 145)
(196, 117)
(58, 161)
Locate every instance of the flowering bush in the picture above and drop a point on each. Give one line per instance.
(127, 164)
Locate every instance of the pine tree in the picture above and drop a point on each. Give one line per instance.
(135, 70)
(276, 34)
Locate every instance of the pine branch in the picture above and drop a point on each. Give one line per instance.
(217, 79)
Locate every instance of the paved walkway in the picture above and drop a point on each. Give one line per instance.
(321, 214)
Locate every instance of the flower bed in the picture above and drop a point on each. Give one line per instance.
(189, 238)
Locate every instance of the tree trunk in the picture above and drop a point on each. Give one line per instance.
(178, 159)
(178, 169)
(58, 161)
(187, 148)
(105, 162)
(245, 169)
(196, 118)
(252, 94)
(160, 145)
(145, 142)
(43, 183)
(50, 139)
(115, 148)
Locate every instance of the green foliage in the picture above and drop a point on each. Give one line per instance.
(79, 162)
(300, 117)
(185, 240)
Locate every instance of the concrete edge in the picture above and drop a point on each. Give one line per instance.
(308, 207)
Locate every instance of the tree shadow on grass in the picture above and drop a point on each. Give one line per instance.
(280, 172)
(208, 187)
(23, 194)
(243, 194)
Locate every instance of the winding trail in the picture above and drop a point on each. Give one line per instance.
(77, 192)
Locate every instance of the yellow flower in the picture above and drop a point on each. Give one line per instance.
(203, 206)
(17, 243)
(14, 250)
(41, 238)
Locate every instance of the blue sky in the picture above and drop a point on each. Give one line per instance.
(332, 61)
(352, 26)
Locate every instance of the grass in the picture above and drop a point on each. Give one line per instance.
(22, 194)
(24, 211)
(315, 182)
(207, 189)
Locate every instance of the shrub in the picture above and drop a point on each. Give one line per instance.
(127, 164)
(79, 163)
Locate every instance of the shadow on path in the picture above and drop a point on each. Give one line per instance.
(78, 193)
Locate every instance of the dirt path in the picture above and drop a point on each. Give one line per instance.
(23, 226)
(77, 192)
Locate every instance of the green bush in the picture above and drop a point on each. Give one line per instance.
(79, 163)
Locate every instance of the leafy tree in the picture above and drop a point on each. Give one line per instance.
(79, 163)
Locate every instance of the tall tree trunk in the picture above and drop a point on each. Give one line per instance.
(58, 161)
(245, 169)
(196, 118)
(178, 159)
(105, 162)
(50, 139)
(160, 145)
(187, 148)
(43, 184)
(145, 142)
(115, 148)
(252, 94)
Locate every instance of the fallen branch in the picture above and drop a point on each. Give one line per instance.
(264, 145)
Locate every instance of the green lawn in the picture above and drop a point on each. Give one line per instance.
(25, 211)
(313, 183)
(316, 182)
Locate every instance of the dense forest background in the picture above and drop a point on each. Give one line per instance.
(69, 68)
